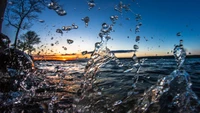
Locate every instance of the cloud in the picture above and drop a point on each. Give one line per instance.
(68, 54)
(122, 51)
(117, 51)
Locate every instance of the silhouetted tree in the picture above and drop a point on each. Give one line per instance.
(27, 41)
(3, 4)
(19, 14)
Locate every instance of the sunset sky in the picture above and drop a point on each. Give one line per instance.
(161, 21)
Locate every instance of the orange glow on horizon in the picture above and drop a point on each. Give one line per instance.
(61, 57)
(66, 57)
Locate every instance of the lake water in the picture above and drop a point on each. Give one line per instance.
(58, 86)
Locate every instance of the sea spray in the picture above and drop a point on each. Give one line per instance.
(172, 93)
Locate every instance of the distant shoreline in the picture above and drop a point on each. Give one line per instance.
(168, 57)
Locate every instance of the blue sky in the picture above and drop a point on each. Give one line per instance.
(161, 19)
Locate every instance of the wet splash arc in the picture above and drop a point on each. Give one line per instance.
(173, 93)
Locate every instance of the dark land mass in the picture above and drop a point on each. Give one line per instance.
(165, 57)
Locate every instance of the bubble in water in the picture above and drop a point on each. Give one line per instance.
(137, 39)
(86, 20)
(69, 41)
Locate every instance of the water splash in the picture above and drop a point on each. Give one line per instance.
(90, 91)
(20, 79)
(100, 55)
(171, 94)
(179, 54)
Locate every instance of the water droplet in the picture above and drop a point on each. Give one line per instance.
(69, 41)
(61, 12)
(59, 31)
(10, 3)
(137, 38)
(140, 23)
(178, 34)
(65, 48)
(91, 4)
(66, 28)
(105, 29)
(74, 26)
(138, 17)
(41, 21)
(137, 28)
(117, 102)
(84, 52)
(86, 20)
(136, 47)
(55, 6)
(57, 42)
(134, 57)
(113, 18)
